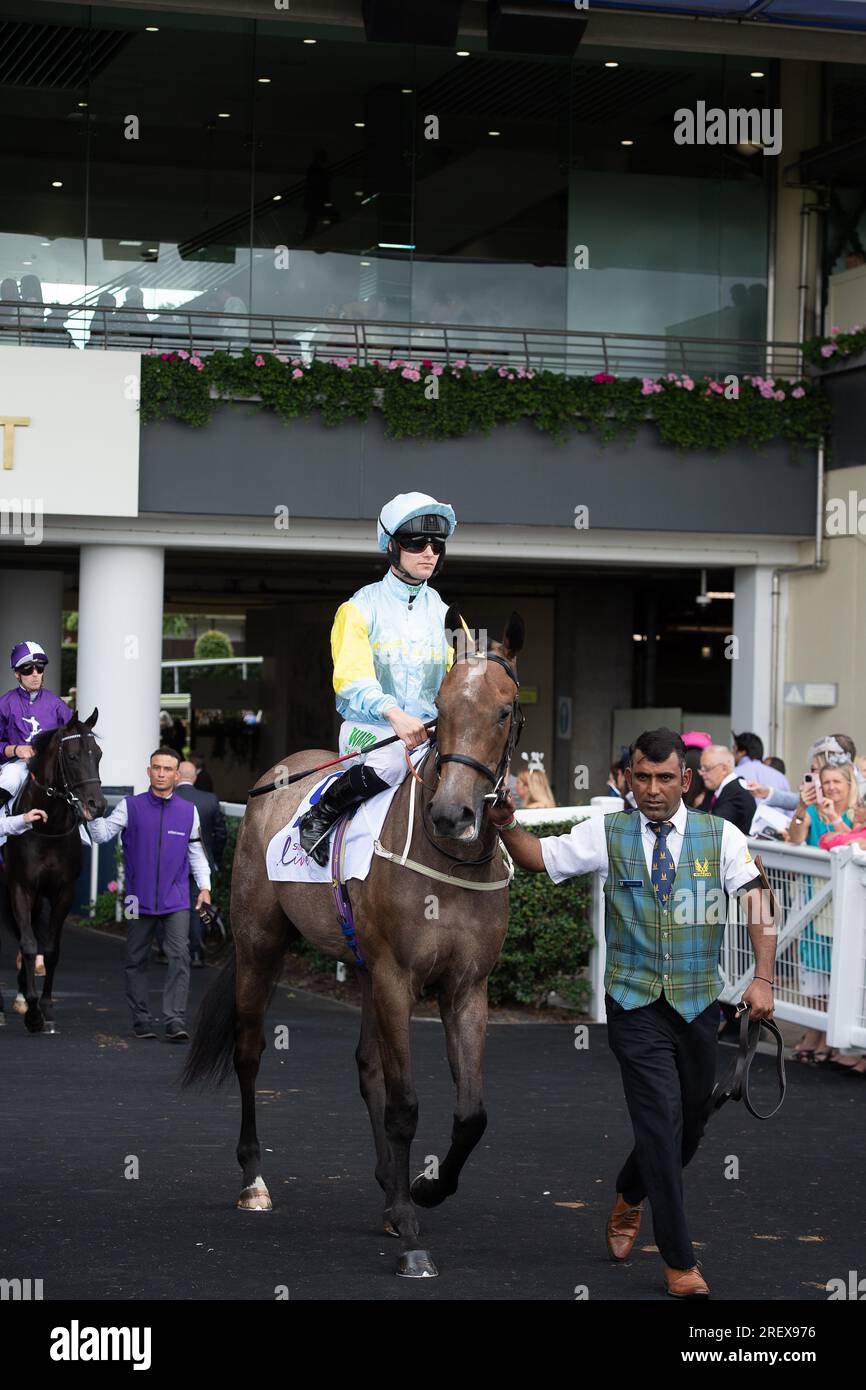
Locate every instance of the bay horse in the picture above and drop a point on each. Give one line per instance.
(441, 928)
(43, 865)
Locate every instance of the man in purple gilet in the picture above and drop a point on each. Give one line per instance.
(161, 847)
(25, 711)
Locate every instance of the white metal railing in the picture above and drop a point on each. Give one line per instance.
(176, 663)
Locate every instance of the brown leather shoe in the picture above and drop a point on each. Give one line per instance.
(623, 1225)
(685, 1283)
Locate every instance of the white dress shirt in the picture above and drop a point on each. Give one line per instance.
(584, 850)
(104, 828)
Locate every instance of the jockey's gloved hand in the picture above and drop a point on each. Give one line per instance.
(408, 727)
(502, 812)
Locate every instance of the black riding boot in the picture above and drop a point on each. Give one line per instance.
(350, 790)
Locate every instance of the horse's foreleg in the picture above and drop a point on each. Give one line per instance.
(22, 912)
(49, 944)
(392, 1003)
(372, 1083)
(465, 1021)
(255, 978)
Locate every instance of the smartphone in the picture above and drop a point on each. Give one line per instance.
(808, 777)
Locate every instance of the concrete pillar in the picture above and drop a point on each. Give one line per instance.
(750, 667)
(119, 652)
(32, 611)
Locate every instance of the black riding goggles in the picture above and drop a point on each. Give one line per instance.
(416, 545)
(30, 668)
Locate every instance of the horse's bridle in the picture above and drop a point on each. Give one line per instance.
(498, 776)
(518, 719)
(66, 790)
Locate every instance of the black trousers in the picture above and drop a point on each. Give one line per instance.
(668, 1071)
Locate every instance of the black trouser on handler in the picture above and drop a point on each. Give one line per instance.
(668, 1070)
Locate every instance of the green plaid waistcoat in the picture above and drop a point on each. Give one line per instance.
(675, 949)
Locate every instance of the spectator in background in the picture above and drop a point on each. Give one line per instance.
(33, 316)
(846, 743)
(777, 764)
(102, 323)
(728, 797)
(824, 752)
(203, 779)
(534, 789)
(616, 781)
(695, 742)
(213, 838)
(171, 732)
(748, 750)
(161, 846)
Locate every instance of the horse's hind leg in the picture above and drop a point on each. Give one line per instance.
(465, 1021)
(22, 910)
(258, 962)
(50, 932)
(372, 1082)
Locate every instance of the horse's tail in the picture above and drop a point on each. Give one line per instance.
(210, 1056)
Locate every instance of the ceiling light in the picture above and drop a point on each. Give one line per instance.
(82, 103)
(359, 192)
(406, 90)
(151, 28)
(26, 262)
(359, 125)
(463, 53)
(397, 245)
(311, 40)
(57, 183)
(264, 79)
(223, 115)
(277, 198)
(494, 132)
(366, 263)
(757, 74)
(626, 142)
(611, 64)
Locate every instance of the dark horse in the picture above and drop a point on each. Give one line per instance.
(429, 927)
(43, 864)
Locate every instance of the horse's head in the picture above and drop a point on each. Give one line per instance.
(67, 760)
(476, 730)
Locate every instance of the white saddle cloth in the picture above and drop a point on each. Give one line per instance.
(288, 862)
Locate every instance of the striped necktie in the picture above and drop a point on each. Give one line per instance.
(662, 863)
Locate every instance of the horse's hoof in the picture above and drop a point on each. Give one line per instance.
(20, 1005)
(416, 1264)
(428, 1192)
(255, 1198)
(50, 1027)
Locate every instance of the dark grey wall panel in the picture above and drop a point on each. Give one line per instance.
(246, 464)
(847, 391)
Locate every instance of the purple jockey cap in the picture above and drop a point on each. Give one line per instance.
(23, 652)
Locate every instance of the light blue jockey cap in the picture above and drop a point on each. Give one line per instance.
(404, 507)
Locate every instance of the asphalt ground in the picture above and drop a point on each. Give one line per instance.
(84, 1107)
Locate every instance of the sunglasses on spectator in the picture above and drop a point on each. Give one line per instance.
(30, 668)
(417, 544)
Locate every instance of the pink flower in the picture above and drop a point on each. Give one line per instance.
(603, 378)
(530, 375)
(649, 387)
(195, 361)
(503, 371)
(427, 362)
(279, 358)
(296, 361)
(798, 393)
(438, 369)
(834, 331)
(392, 366)
(112, 886)
(183, 355)
(688, 383)
(460, 363)
(297, 373)
(260, 361)
(828, 349)
(779, 395)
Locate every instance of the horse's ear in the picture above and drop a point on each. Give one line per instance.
(89, 723)
(38, 741)
(456, 632)
(512, 638)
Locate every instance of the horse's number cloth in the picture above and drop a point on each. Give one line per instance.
(288, 863)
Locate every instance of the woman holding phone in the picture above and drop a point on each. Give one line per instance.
(827, 802)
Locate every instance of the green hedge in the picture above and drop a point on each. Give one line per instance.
(549, 933)
(426, 400)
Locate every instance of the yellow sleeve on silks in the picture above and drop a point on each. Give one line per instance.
(355, 681)
(451, 649)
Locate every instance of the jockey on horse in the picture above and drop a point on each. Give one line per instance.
(25, 711)
(390, 655)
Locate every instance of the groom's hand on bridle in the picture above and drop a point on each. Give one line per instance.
(502, 813)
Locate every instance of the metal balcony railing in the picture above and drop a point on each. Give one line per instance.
(572, 352)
